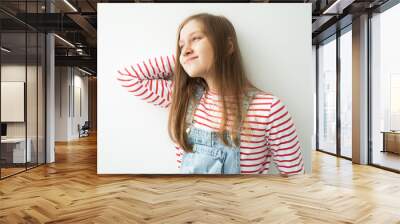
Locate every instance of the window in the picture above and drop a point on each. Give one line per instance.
(385, 88)
(346, 94)
(327, 97)
(22, 66)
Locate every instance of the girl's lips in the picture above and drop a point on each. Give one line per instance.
(190, 59)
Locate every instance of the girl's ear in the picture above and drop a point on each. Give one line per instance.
(230, 46)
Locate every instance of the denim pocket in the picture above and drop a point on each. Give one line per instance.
(201, 161)
(204, 163)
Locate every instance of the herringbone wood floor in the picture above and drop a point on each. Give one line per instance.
(70, 191)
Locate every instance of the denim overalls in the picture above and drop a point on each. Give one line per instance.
(210, 155)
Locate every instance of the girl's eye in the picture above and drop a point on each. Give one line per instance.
(194, 39)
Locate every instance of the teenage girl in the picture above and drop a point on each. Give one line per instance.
(219, 122)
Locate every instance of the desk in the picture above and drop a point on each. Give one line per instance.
(15, 148)
(391, 141)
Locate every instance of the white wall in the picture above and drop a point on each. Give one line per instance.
(70, 83)
(61, 103)
(275, 41)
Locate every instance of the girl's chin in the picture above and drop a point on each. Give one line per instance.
(194, 75)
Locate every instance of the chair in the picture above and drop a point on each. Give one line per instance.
(84, 130)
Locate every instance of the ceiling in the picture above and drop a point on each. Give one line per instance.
(76, 22)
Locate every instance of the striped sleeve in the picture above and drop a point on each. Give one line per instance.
(150, 80)
(283, 140)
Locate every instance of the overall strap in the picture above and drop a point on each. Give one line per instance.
(246, 105)
(190, 112)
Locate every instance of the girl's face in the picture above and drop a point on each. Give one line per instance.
(196, 51)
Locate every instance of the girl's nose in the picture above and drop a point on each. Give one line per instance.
(187, 50)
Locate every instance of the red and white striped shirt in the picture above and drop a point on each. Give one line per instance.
(272, 138)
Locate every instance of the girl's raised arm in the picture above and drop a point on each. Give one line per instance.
(151, 80)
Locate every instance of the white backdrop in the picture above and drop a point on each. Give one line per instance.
(275, 41)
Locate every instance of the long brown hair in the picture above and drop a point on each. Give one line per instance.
(230, 80)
